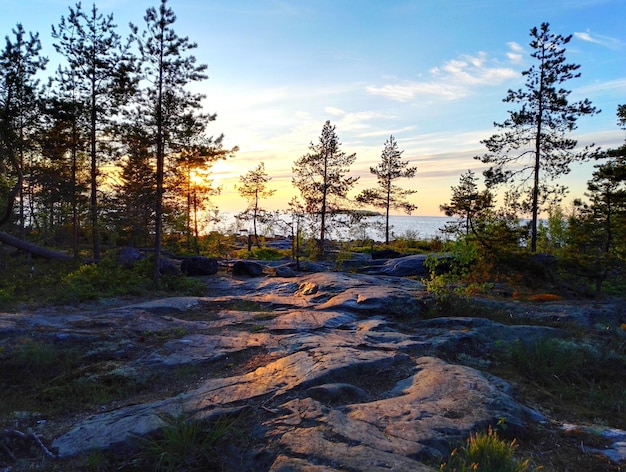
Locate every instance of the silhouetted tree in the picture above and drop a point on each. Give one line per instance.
(98, 72)
(61, 178)
(163, 102)
(135, 192)
(598, 229)
(533, 146)
(190, 175)
(253, 186)
(387, 195)
(20, 61)
(321, 178)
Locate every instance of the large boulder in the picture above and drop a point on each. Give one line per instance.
(199, 265)
(247, 269)
(168, 267)
(406, 266)
(128, 256)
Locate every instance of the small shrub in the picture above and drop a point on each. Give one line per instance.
(262, 254)
(485, 452)
(185, 444)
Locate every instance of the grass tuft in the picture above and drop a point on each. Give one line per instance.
(486, 452)
(185, 444)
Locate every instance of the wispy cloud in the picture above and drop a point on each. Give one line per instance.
(515, 54)
(605, 41)
(353, 121)
(454, 79)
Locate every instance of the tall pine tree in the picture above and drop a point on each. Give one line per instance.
(97, 71)
(20, 61)
(163, 103)
(533, 146)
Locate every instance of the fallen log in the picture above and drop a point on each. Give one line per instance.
(33, 249)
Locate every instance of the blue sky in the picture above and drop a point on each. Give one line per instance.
(431, 72)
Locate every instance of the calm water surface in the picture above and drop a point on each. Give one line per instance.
(415, 227)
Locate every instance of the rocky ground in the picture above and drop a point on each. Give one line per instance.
(327, 371)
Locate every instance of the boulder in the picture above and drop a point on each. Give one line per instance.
(199, 265)
(128, 256)
(280, 271)
(168, 267)
(247, 269)
(407, 266)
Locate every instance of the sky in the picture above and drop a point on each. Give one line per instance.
(432, 73)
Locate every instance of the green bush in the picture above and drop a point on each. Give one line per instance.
(105, 279)
(262, 253)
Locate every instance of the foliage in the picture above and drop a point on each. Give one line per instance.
(486, 452)
(555, 360)
(320, 176)
(253, 186)
(20, 63)
(106, 279)
(469, 204)
(586, 377)
(55, 282)
(550, 359)
(262, 253)
(387, 195)
(51, 379)
(597, 230)
(449, 270)
(533, 146)
(163, 105)
(552, 235)
(96, 80)
(185, 444)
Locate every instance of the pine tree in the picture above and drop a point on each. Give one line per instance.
(20, 62)
(387, 195)
(189, 179)
(164, 102)
(60, 176)
(598, 230)
(135, 193)
(253, 186)
(533, 145)
(468, 203)
(321, 178)
(97, 73)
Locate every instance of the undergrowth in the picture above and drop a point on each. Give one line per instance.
(486, 452)
(55, 282)
(184, 444)
(46, 378)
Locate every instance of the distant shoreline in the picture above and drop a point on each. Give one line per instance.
(409, 226)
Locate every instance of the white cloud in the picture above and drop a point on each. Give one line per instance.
(352, 121)
(334, 111)
(611, 43)
(452, 80)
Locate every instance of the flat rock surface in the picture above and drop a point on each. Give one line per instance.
(325, 365)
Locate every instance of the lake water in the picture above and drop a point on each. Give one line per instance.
(415, 227)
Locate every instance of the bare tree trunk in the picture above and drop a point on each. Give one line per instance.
(33, 249)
